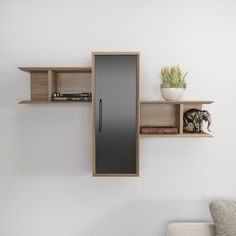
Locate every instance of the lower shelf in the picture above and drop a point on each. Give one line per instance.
(49, 102)
(204, 135)
(117, 175)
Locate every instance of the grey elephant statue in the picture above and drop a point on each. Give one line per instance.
(196, 118)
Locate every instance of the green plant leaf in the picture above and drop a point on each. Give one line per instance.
(174, 76)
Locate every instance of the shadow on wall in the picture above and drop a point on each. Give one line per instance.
(143, 217)
(54, 140)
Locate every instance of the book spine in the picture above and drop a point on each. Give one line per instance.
(72, 95)
(70, 99)
(158, 130)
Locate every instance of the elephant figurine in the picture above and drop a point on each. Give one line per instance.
(196, 117)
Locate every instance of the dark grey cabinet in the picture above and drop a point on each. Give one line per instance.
(115, 113)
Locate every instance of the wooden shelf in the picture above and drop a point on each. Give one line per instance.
(49, 102)
(175, 102)
(57, 69)
(160, 113)
(189, 135)
(45, 81)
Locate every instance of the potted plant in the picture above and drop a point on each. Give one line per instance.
(173, 83)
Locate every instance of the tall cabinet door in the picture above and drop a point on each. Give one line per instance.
(115, 113)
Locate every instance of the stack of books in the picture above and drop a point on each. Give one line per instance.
(72, 96)
(158, 130)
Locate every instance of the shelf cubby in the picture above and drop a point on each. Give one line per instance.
(54, 102)
(44, 81)
(168, 114)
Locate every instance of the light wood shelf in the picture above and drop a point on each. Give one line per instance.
(45, 81)
(188, 135)
(175, 102)
(54, 102)
(160, 113)
(57, 69)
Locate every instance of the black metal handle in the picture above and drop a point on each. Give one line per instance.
(100, 115)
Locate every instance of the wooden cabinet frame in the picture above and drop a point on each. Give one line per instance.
(45, 81)
(93, 111)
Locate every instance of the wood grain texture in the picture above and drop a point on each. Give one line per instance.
(162, 113)
(115, 53)
(39, 86)
(189, 135)
(56, 69)
(52, 102)
(179, 117)
(73, 82)
(47, 80)
(175, 102)
(191, 105)
(137, 112)
(157, 114)
(116, 175)
(93, 115)
(51, 84)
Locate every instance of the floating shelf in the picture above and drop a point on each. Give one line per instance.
(57, 69)
(44, 81)
(189, 135)
(175, 102)
(49, 102)
(160, 113)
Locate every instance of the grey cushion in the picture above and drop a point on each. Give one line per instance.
(224, 217)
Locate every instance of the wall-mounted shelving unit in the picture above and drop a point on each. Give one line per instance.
(168, 114)
(44, 81)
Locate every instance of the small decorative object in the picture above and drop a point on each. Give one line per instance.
(173, 83)
(71, 96)
(158, 130)
(195, 118)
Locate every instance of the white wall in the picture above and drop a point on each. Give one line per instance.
(46, 187)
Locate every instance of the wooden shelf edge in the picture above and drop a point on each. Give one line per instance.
(197, 135)
(54, 102)
(115, 53)
(175, 102)
(57, 69)
(116, 175)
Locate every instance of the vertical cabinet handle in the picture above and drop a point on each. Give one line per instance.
(100, 115)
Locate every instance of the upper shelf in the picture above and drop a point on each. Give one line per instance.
(57, 69)
(187, 135)
(45, 81)
(175, 102)
(54, 102)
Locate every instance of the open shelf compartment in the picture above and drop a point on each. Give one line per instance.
(44, 81)
(168, 114)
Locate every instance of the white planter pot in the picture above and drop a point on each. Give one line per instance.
(171, 94)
